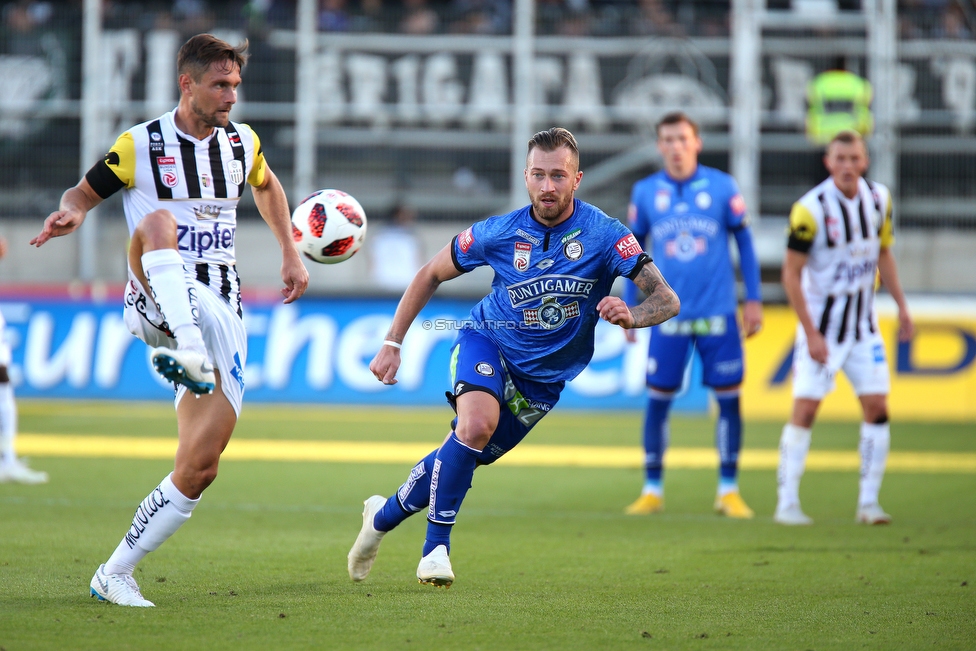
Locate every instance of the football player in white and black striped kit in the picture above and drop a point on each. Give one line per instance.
(840, 239)
(182, 175)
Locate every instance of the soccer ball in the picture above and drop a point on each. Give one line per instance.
(329, 226)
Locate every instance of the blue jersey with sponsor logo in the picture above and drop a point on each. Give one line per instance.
(689, 224)
(541, 311)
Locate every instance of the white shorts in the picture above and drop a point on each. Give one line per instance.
(864, 363)
(223, 333)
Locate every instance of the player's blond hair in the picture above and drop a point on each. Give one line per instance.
(552, 139)
(203, 50)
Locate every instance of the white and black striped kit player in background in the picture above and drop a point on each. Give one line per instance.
(840, 239)
(12, 468)
(182, 176)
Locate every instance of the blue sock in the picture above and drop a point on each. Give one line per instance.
(728, 440)
(449, 483)
(410, 498)
(655, 440)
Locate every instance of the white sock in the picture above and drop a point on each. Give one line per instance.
(157, 518)
(726, 486)
(793, 447)
(164, 271)
(8, 423)
(652, 488)
(875, 441)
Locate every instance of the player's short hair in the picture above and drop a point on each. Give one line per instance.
(203, 50)
(676, 117)
(847, 137)
(552, 139)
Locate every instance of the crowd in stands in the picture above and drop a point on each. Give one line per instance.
(942, 19)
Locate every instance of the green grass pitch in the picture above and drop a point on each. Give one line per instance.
(544, 557)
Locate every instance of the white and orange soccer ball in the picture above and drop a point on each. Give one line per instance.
(329, 226)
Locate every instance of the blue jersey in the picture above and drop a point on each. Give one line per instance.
(689, 224)
(541, 311)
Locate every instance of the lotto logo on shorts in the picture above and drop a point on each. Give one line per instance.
(879, 355)
(627, 246)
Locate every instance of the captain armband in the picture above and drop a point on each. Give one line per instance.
(642, 260)
(103, 180)
(801, 239)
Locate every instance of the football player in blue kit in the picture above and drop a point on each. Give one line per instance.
(554, 262)
(689, 210)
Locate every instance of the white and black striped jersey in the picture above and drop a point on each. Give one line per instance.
(842, 238)
(199, 181)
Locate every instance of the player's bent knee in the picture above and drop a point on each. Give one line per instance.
(161, 218)
(195, 481)
(474, 431)
(157, 229)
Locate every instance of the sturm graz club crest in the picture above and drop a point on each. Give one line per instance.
(573, 250)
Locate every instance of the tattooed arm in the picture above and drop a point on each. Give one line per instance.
(660, 305)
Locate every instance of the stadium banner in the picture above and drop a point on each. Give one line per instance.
(312, 351)
(318, 351)
(933, 376)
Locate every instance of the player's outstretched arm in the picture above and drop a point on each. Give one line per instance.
(273, 205)
(660, 305)
(889, 278)
(74, 206)
(440, 269)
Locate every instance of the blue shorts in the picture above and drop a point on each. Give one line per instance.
(718, 344)
(477, 365)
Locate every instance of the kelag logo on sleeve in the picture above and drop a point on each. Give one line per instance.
(627, 246)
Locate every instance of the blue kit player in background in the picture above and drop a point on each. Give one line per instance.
(689, 210)
(554, 262)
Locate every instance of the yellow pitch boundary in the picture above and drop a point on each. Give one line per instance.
(580, 456)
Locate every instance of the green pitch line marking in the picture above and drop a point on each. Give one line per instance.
(581, 456)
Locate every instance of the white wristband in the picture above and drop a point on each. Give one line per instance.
(390, 342)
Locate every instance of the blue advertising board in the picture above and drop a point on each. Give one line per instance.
(312, 351)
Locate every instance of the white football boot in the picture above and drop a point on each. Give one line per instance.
(120, 589)
(16, 471)
(791, 515)
(185, 366)
(872, 514)
(363, 552)
(435, 568)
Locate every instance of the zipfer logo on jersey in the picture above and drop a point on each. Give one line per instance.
(189, 238)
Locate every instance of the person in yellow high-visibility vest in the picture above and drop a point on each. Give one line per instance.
(838, 100)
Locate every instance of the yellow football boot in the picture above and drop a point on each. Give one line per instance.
(646, 504)
(732, 505)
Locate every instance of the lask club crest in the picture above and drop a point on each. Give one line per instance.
(235, 172)
(167, 171)
(523, 254)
